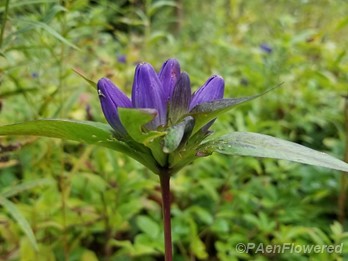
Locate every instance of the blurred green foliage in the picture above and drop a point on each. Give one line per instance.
(88, 203)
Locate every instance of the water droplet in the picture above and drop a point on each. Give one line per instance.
(100, 93)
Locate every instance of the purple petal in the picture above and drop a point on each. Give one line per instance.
(180, 100)
(169, 75)
(122, 58)
(110, 99)
(266, 48)
(147, 92)
(212, 90)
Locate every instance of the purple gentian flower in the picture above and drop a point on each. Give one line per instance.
(212, 90)
(168, 93)
(121, 59)
(111, 97)
(34, 74)
(148, 92)
(266, 48)
(169, 75)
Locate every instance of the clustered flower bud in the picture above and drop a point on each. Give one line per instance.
(168, 93)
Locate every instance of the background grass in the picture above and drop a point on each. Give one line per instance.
(89, 203)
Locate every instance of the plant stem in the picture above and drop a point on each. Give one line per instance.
(165, 188)
(7, 3)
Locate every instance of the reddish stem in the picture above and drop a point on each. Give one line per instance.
(165, 188)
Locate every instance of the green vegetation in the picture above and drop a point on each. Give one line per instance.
(61, 200)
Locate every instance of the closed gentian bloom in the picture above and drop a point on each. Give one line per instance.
(167, 93)
(212, 90)
(181, 97)
(148, 93)
(169, 75)
(110, 99)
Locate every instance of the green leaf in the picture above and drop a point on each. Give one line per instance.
(18, 91)
(180, 158)
(52, 13)
(159, 4)
(22, 222)
(205, 112)
(2, 54)
(88, 255)
(90, 82)
(176, 134)
(202, 214)
(50, 30)
(14, 190)
(148, 226)
(198, 248)
(82, 131)
(27, 2)
(264, 146)
(134, 121)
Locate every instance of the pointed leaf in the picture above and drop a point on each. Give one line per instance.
(135, 120)
(148, 225)
(177, 133)
(22, 222)
(16, 189)
(30, 3)
(181, 158)
(90, 82)
(51, 31)
(205, 112)
(158, 4)
(82, 131)
(259, 145)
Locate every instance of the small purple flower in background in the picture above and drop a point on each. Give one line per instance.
(89, 115)
(266, 48)
(35, 75)
(168, 93)
(244, 81)
(122, 58)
